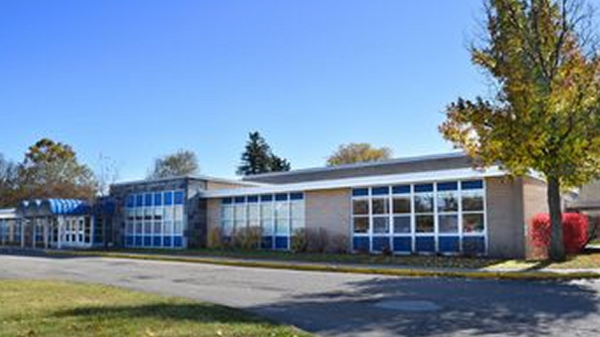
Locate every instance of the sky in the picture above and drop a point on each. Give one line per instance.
(137, 79)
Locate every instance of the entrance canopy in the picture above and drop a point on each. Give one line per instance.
(53, 207)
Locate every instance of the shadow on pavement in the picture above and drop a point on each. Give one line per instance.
(465, 307)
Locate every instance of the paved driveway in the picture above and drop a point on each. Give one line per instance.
(348, 305)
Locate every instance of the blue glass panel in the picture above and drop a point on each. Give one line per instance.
(179, 198)
(403, 244)
(381, 243)
(226, 239)
(472, 185)
(449, 244)
(147, 241)
(178, 241)
(240, 200)
(449, 186)
(157, 242)
(281, 242)
(297, 196)
(129, 241)
(137, 241)
(380, 190)
(130, 200)
(425, 244)
(424, 188)
(361, 244)
(139, 200)
(253, 198)
(360, 192)
(473, 245)
(158, 199)
(148, 199)
(281, 197)
(227, 201)
(168, 198)
(267, 242)
(401, 189)
(167, 241)
(266, 197)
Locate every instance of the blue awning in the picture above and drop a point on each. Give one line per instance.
(67, 206)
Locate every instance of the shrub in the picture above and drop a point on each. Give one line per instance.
(339, 244)
(247, 238)
(299, 241)
(575, 232)
(215, 238)
(317, 240)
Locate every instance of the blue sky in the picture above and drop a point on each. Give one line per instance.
(133, 80)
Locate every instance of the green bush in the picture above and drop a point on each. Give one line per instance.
(299, 241)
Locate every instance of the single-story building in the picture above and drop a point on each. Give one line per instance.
(419, 205)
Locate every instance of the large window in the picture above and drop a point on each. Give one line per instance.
(277, 216)
(447, 217)
(155, 219)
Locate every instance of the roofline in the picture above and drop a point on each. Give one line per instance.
(401, 160)
(404, 178)
(191, 177)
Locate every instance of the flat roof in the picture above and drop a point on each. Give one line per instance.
(401, 160)
(405, 178)
(8, 213)
(191, 177)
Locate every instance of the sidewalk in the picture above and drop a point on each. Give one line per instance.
(521, 271)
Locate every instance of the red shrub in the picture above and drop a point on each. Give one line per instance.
(575, 231)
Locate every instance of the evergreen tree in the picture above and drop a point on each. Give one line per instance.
(258, 158)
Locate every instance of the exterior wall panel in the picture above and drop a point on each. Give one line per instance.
(330, 210)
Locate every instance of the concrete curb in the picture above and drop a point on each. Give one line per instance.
(401, 272)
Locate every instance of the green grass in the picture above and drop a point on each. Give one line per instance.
(62, 309)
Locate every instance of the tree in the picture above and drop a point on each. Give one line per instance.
(8, 182)
(181, 163)
(51, 170)
(544, 115)
(358, 153)
(258, 157)
(106, 173)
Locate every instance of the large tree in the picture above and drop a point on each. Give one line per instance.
(180, 163)
(358, 153)
(258, 157)
(544, 115)
(51, 170)
(8, 182)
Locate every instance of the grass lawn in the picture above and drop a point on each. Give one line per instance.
(62, 309)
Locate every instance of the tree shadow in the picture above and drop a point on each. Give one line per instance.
(464, 307)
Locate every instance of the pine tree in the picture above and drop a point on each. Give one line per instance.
(258, 158)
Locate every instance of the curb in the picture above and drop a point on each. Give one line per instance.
(485, 275)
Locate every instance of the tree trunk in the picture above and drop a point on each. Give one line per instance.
(557, 246)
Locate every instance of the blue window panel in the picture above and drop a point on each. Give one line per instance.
(281, 242)
(130, 201)
(424, 188)
(129, 241)
(226, 239)
(179, 198)
(266, 197)
(380, 190)
(474, 245)
(137, 242)
(401, 189)
(296, 196)
(139, 200)
(178, 241)
(240, 200)
(360, 192)
(156, 241)
(425, 244)
(147, 241)
(148, 199)
(168, 198)
(449, 186)
(253, 198)
(167, 241)
(450, 244)
(381, 243)
(281, 197)
(227, 201)
(361, 244)
(158, 199)
(472, 185)
(403, 244)
(267, 242)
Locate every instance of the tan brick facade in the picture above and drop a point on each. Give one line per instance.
(330, 210)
